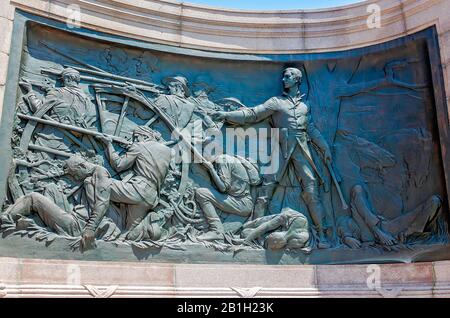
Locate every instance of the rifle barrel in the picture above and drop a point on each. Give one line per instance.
(113, 76)
(105, 81)
(72, 128)
(49, 150)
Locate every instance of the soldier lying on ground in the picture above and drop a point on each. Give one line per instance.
(366, 226)
(58, 215)
(288, 229)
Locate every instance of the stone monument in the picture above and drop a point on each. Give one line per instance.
(118, 149)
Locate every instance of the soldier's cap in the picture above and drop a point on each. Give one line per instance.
(180, 79)
(146, 131)
(69, 71)
(203, 86)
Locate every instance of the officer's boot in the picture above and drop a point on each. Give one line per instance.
(317, 215)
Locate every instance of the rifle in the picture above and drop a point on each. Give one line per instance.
(87, 68)
(75, 129)
(147, 88)
(72, 128)
(145, 101)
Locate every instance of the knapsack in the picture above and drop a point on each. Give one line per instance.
(252, 171)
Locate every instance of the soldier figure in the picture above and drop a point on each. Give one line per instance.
(366, 226)
(67, 104)
(64, 219)
(177, 104)
(298, 133)
(233, 177)
(148, 160)
(287, 229)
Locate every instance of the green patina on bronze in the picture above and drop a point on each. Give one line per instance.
(93, 126)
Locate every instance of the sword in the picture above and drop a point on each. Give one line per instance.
(336, 183)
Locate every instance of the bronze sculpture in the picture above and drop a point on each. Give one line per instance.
(117, 135)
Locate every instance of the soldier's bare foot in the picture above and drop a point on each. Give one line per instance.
(323, 242)
(352, 242)
(384, 237)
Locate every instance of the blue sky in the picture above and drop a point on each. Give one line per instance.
(272, 4)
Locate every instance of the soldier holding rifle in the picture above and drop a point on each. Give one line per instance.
(67, 104)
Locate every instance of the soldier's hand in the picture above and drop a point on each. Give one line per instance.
(88, 240)
(208, 165)
(130, 86)
(26, 85)
(104, 138)
(327, 155)
(219, 116)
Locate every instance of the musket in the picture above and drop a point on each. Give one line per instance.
(50, 150)
(117, 77)
(99, 72)
(72, 128)
(150, 89)
(144, 100)
(76, 129)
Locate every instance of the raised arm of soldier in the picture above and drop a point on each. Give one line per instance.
(220, 184)
(248, 115)
(119, 163)
(30, 97)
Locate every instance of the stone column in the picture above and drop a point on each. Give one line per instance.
(6, 24)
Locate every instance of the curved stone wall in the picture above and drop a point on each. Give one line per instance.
(275, 32)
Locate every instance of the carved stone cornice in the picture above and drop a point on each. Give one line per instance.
(246, 31)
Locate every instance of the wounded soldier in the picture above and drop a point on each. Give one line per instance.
(288, 229)
(57, 214)
(366, 226)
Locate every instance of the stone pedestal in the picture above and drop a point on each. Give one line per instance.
(54, 278)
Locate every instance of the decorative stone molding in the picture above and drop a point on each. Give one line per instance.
(51, 278)
(101, 292)
(248, 31)
(247, 292)
(3, 293)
